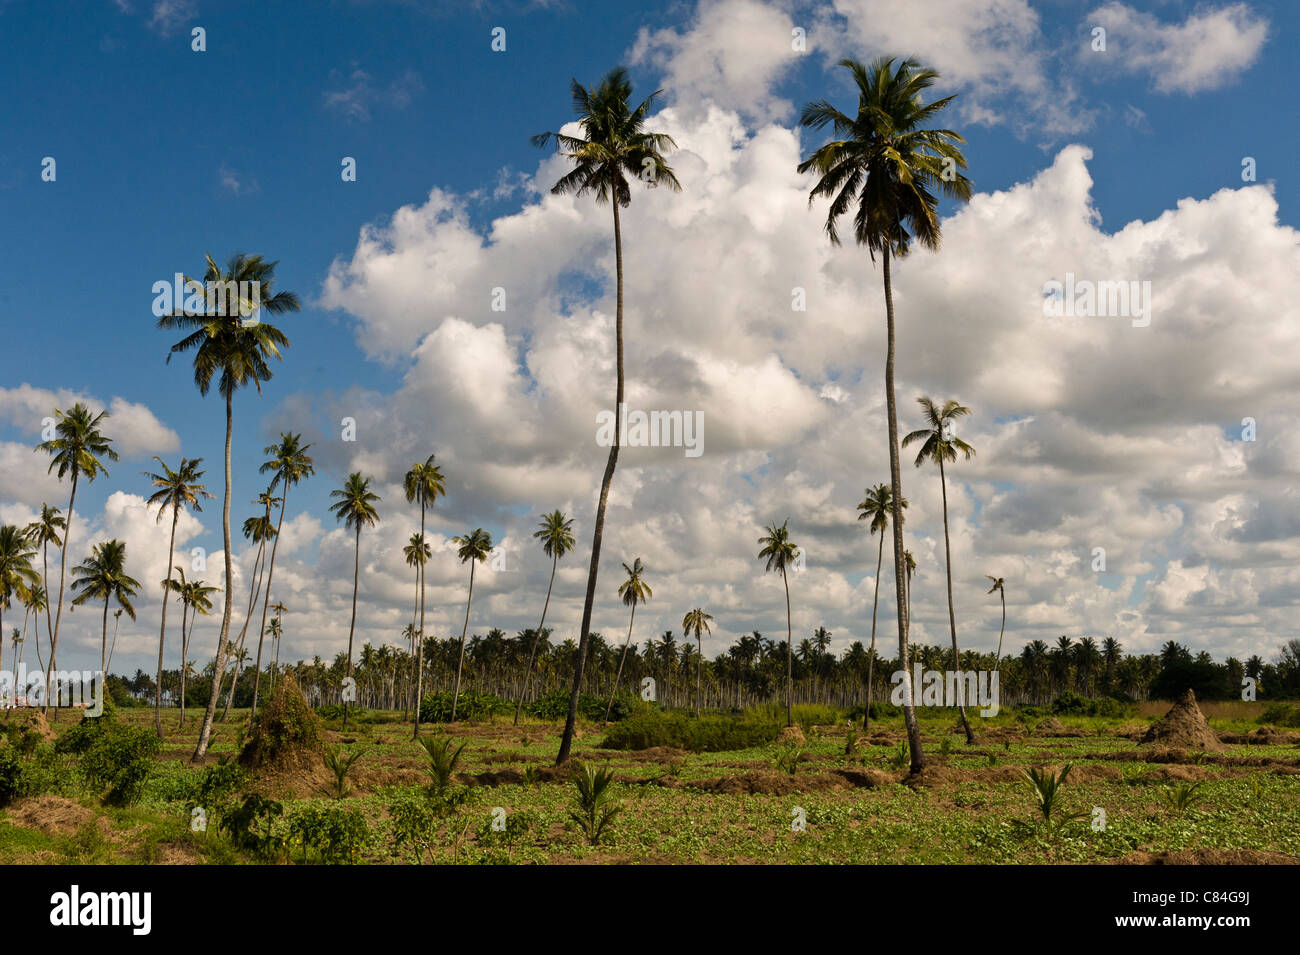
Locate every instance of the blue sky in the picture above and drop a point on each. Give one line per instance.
(164, 154)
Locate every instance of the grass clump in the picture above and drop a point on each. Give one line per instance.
(708, 734)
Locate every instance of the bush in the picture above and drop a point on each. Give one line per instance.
(1282, 714)
(219, 784)
(709, 733)
(554, 706)
(473, 705)
(11, 775)
(1071, 704)
(285, 732)
(82, 736)
(335, 834)
(251, 826)
(120, 759)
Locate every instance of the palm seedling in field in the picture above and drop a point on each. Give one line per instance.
(1181, 797)
(1046, 785)
(340, 763)
(442, 760)
(594, 806)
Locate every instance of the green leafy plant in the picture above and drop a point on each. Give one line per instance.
(851, 742)
(336, 835)
(442, 760)
(594, 806)
(1046, 786)
(787, 758)
(413, 825)
(1181, 797)
(120, 759)
(900, 758)
(340, 763)
(251, 826)
(945, 746)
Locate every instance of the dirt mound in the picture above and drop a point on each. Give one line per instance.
(1264, 736)
(1209, 857)
(791, 734)
(285, 753)
(1184, 725)
(1049, 725)
(53, 815)
(775, 784)
(33, 723)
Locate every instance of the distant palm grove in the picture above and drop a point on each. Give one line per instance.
(884, 171)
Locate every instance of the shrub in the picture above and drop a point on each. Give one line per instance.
(82, 736)
(710, 733)
(120, 759)
(787, 758)
(339, 763)
(554, 706)
(251, 826)
(594, 806)
(285, 731)
(1071, 704)
(1282, 714)
(472, 705)
(334, 834)
(11, 775)
(442, 760)
(219, 784)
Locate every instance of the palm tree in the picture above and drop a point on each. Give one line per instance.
(236, 352)
(474, 547)
(998, 585)
(195, 595)
(909, 564)
(423, 483)
(43, 532)
(888, 164)
(613, 146)
(76, 452)
(940, 446)
(276, 629)
(103, 576)
(289, 463)
(356, 508)
(555, 531)
(176, 490)
(117, 619)
(17, 575)
(634, 590)
(417, 554)
(697, 621)
(37, 600)
(260, 529)
(876, 507)
(781, 553)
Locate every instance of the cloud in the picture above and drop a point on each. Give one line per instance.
(1207, 51)
(135, 430)
(362, 95)
(236, 185)
(168, 16)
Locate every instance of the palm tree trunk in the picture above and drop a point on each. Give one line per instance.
(185, 640)
(209, 714)
(584, 634)
(789, 655)
(460, 663)
(419, 634)
(49, 628)
(1003, 594)
(58, 616)
(952, 616)
(871, 660)
(626, 643)
(266, 599)
(162, 629)
(699, 671)
(356, 576)
(896, 485)
(103, 644)
(537, 636)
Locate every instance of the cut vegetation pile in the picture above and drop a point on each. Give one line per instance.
(285, 746)
(1183, 726)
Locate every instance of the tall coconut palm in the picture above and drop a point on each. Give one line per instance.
(103, 576)
(17, 575)
(890, 165)
(36, 602)
(877, 507)
(276, 629)
(634, 590)
(196, 596)
(781, 553)
(356, 508)
(259, 529)
(697, 622)
(289, 463)
(177, 490)
(999, 585)
(555, 531)
(74, 452)
(909, 565)
(423, 483)
(417, 554)
(235, 350)
(940, 446)
(473, 548)
(614, 146)
(43, 532)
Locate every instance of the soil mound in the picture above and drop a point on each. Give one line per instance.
(1184, 726)
(1049, 725)
(33, 723)
(791, 734)
(284, 752)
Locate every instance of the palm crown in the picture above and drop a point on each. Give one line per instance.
(614, 143)
(938, 442)
(178, 489)
(103, 576)
(697, 622)
(779, 550)
(634, 590)
(79, 444)
(289, 461)
(424, 483)
(555, 531)
(884, 160)
(45, 529)
(878, 506)
(476, 545)
(417, 550)
(17, 575)
(356, 504)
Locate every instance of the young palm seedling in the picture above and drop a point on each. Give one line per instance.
(442, 761)
(1053, 819)
(1180, 798)
(340, 763)
(594, 807)
(787, 758)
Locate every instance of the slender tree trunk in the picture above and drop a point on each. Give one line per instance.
(871, 660)
(460, 663)
(254, 592)
(49, 628)
(58, 616)
(998, 659)
(162, 629)
(789, 655)
(419, 635)
(896, 485)
(584, 634)
(103, 645)
(205, 731)
(266, 599)
(699, 672)
(356, 576)
(185, 641)
(952, 616)
(619, 676)
(537, 636)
